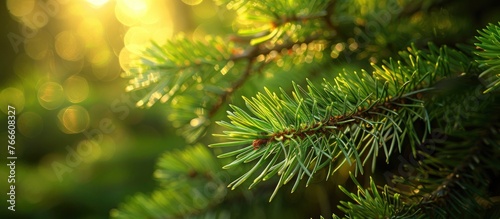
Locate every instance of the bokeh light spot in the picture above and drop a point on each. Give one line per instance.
(123, 17)
(202, 30)
(137, 38)
(129, 12)
(91, 31)
(205, 9)
(161, 34)
(20, 8)
(50, 95)
(73, 119)
(30, 124)
(137, 6)
(192, 2)
(99, 56)
(72, 10)
(156, 14)
(68, 46)
(37, 46)
(76, 89)
(107, 72)
(14, 97)
(61, 68)
(125, 58)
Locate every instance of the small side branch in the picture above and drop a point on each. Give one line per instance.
(237, 84)
(251, 55)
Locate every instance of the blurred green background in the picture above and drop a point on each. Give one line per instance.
(81, 143)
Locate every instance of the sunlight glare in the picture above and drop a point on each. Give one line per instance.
(136, 5)
(130, 12)
(97, 3)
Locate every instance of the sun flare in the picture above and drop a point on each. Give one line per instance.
(98, 3)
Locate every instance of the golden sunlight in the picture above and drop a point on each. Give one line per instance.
(20, 8)
(97, 3)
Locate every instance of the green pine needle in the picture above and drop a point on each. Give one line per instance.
(489, 45)
(370, 203)
(349, 118)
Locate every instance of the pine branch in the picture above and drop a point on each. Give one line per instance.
(453, 181)
(370, 203)
(201, 75)
(489, 45)
(191, 185)
(456, 186)
(255, 51)
(350, 120)
(237, 84)
(346, 121)
(183, 176)
(172, 65)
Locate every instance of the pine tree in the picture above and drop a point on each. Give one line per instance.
(435, 105)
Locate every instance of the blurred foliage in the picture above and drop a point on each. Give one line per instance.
(62, 61)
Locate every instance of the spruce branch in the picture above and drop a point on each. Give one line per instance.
(351, 120)
(346, 121)
(447, 185)
(269, 22)
(196, 77)
(183, 176)
(370, 203)
(255, 51)
(489, 45)
(251, 55)
(188, 75)
(237, 84)
(453, 178)
(172, 65)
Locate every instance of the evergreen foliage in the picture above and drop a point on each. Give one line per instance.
(370, 203)
(318, 129)
(350, 119)
(489, 41)
(180, 193)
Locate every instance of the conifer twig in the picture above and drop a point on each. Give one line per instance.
(251, 54)
(222, 98)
